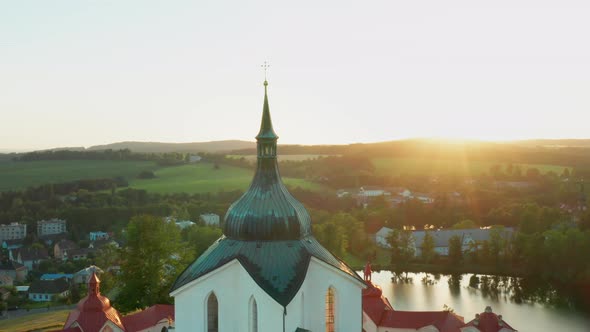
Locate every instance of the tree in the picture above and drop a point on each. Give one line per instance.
(402, 249)
(428, 252)
(199, 238)
(566, 173)
(150, 262)
(455, 250)
(465, 224)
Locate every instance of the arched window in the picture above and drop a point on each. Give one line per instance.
(253, 315)
(212, 314)
(330, 310)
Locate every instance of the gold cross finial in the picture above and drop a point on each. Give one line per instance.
(265, 66)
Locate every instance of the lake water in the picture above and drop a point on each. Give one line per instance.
(467, 301)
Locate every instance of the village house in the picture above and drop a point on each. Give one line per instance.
(95, 236)
(6, 280)
(78, 254)
(49, 290)
(379, 316)
(54, 276)
(470, 238)
(82, 276)
(487, 321)
(210, 219)
(51, 239)
(182, 224)
(61, 248)
(50, 227)
(13, 231)
(12, 244)
(15, 270)
(31, 257)
(94, 313)
(98, 244)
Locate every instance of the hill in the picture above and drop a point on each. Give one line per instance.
(555, 143)
(195, 147)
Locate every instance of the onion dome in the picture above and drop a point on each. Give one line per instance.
(267, 211)
(94, 310)
(267, 230)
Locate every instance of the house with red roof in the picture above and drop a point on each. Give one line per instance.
(94, 313)
(379, 316)
(487, 321)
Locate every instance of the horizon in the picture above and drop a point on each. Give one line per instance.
(86, 74)
(443, 140)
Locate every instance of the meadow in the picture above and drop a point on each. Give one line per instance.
(203, 177)
(20, 175)
(418, 166)
(46, 321)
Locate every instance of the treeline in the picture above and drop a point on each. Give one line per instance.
(578, 157)
(109, 210)
(164, 159)
(105, 204)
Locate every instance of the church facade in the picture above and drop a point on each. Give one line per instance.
(267, 273)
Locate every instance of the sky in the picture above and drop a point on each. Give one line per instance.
(82, 73)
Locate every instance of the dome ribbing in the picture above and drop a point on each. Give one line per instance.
(267, 211)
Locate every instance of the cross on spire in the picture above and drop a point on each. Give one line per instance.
(265, 66)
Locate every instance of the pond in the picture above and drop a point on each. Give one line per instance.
(428, 292)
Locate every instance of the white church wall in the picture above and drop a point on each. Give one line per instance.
(233, 288)
(348, 298)
(368, 324)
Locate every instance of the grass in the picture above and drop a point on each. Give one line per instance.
(42, 321)
(20, 175)
(202, 177)
(417, 166)
(194, 178)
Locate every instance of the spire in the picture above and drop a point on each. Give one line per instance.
(94, 284)
(267, 211)
(266, 130)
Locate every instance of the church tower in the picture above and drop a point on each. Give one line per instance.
(267, 273)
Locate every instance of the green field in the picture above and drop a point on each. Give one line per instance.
(416, 166)
(20, 175)
(46, 321)
(201, 178)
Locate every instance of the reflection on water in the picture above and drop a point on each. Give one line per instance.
(524, 304)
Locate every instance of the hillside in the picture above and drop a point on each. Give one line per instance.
(195, 147)
(568, 142)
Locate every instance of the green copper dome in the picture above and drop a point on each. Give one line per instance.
(267, 231)
(267, 211)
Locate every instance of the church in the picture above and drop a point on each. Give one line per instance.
(267, 272)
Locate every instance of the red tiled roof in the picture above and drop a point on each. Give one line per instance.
(444, 321)
(94, 310)
(378, 308)
(489, 322)
(148, 317)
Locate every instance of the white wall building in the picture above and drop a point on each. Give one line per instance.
(381, 237)
(13, 231)
(95, 236)
(182, 224)
(51, 226)
(210, 219)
